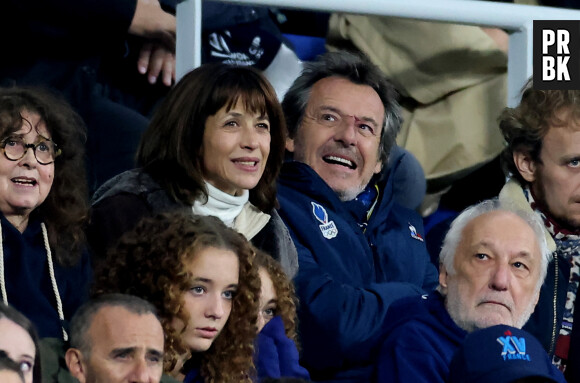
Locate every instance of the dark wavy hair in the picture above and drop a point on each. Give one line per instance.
(10, 313)
(356, 68)
(149, 262)
(525, 126)
(65, 210)
(286, 300)
(170, 149)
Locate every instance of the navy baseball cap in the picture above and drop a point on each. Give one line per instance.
(502, 354)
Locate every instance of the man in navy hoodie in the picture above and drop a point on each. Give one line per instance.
(358, 249)
(493, 262)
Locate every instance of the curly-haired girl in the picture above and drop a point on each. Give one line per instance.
(201, 277)
(277, 354)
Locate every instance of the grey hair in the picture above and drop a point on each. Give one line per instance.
(453, 236)
(356, 68)
(83, 318)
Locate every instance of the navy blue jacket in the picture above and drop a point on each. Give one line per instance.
(346, 283)
(28, 284)
(421, 341)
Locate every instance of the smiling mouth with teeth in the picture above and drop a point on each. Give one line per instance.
(21, 181)
(339, 161)
(247, 163)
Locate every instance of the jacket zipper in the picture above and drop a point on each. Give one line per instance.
(554, 324)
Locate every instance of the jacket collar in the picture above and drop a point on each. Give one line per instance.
(299, 176)
(513, 192)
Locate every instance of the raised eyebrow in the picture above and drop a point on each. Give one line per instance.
(331, 109)
(523, 254)
(483, 247)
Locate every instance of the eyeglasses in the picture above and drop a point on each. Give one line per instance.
(45, 151)
(333, 118)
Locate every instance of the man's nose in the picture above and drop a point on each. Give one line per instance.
(346, 131)
(141, 372)
(500, 277)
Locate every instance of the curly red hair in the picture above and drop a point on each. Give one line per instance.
(286, 300)
(149, 262)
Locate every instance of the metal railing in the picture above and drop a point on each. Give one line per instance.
(516, 19)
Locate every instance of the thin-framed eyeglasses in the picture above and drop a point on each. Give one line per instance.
(45, 151)
(332, 118)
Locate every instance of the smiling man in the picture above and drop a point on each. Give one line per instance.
(358, 249)
(493, 262)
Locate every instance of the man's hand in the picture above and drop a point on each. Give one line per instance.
(157, 55)
(154, 59)
(152, 22)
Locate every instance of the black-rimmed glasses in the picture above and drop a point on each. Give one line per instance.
(45, 151)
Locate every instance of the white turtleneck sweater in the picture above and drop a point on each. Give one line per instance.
(234, 211)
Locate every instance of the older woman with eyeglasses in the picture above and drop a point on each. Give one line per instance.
(44, 272)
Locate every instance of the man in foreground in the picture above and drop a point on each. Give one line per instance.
(358, 249)
(493, 262)
(116, 338)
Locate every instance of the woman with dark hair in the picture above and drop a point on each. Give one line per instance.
(43, 208)
(214, 147)
(277, 353)
(201, 277)
(19, 341)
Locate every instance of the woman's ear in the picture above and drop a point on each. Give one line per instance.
(525, 165)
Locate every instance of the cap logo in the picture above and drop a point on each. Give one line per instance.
(328, 228)
(514, 348)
